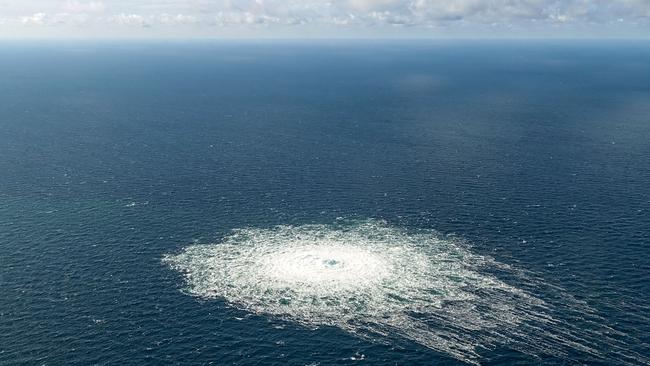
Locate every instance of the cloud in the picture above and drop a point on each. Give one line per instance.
(35, 19)
(42, 19)
(129, 20)
(169, 19)
(475, 16)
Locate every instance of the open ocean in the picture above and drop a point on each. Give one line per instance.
(325, 203)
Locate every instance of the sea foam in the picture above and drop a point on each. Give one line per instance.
(380, 282)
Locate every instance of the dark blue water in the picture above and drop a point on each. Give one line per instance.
(113, 155)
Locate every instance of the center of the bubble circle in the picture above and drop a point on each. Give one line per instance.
(331, 263)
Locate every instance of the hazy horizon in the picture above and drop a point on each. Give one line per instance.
(400, 19)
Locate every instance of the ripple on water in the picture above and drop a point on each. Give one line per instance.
(381, 282)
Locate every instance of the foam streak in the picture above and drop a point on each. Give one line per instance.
(380, 282)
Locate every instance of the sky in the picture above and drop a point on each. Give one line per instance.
(324, 19)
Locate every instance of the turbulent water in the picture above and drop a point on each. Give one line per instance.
(375, 280)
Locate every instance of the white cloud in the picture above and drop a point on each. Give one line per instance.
(54, 19)
(35, 19)
(129, 20)
(332, 15)
(224, 19)
(169, 19)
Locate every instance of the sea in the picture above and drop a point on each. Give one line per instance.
(325, 202)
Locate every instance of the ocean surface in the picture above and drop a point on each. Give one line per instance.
(325, 203)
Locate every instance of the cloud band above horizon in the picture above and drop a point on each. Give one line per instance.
(324, 19)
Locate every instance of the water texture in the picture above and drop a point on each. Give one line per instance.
(328, 203)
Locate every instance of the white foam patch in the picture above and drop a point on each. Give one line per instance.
(377, 281)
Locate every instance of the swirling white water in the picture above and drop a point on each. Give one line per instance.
(379, 281)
